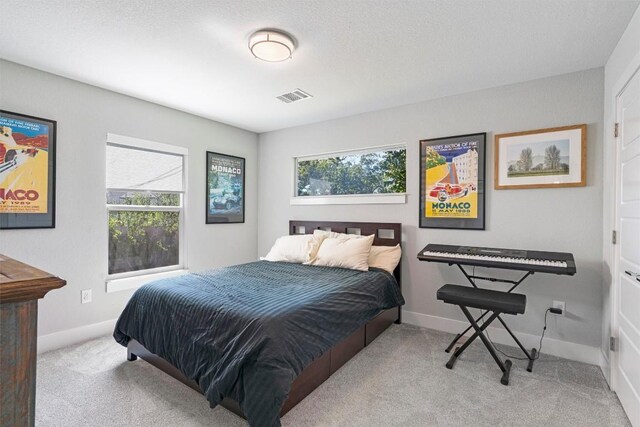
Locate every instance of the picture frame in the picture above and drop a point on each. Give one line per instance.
(452, 182)
(541, 158)
(225, 189)
(27, 171)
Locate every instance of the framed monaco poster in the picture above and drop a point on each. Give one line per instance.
(225, 189)
(452, 175)
(27, 171)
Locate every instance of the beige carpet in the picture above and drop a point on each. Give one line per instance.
(399, 380)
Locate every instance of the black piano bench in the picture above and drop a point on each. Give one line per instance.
(496, 302)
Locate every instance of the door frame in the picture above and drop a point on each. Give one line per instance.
(614, 295)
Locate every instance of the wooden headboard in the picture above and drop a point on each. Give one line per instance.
(387, 233)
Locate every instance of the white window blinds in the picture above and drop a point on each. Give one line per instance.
(131, 168)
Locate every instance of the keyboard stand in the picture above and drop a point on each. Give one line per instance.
(471, 278)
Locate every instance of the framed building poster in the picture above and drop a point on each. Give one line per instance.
(27, 171)
(225, 189)
(452, 175)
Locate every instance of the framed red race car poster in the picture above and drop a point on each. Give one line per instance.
(452, 175)
(27, 171)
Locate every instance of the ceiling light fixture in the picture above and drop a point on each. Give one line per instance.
(271, 45)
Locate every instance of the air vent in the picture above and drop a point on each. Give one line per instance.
(293, 96)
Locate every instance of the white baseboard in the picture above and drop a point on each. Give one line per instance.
(565, 349)
(568, 350)
(605, 366)
(76, 335)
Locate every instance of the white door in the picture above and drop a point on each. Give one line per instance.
(626, 362)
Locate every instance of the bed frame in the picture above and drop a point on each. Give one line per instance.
(387, 234)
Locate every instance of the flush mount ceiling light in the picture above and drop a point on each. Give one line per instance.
(271, 45)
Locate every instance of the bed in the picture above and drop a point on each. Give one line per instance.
(279, 330)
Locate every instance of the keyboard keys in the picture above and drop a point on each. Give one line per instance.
(498, 259)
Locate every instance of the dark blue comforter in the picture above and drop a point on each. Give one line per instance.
(247, 331)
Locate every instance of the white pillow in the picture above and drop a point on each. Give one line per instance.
(385, 257)
(297, 248)
(332, 234)
(344, 252)
(318, 239)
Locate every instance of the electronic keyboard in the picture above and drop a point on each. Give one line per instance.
(511, 259)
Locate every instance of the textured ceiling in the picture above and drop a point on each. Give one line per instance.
(353, 55)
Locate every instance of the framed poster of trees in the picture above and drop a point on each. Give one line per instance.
(542, 158)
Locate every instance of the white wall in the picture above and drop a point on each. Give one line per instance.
(622, 63)
(535, 219)
(76, 249)
(566, 219)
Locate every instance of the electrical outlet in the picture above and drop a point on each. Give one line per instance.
(561, 306)
(85, 296)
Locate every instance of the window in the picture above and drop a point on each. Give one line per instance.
(372, 172)
(145, 204)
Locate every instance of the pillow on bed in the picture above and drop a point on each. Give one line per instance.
(332, 234)
(385, 257)
(297, 248)
(344, 252)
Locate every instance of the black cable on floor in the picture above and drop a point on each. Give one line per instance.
(517, 357)
(473, 273)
